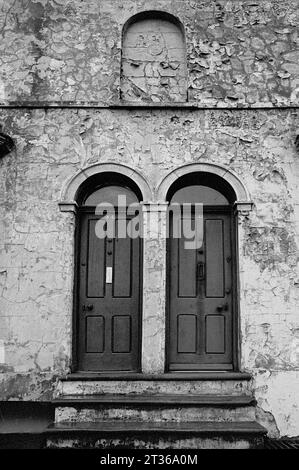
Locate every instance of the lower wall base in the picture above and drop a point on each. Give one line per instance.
(22, 441)
(154, 443)
(277, 394)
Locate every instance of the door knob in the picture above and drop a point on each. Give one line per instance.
(222, 307)
(88, 307)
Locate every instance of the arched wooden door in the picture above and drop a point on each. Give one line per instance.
(109, 284)
(200, 288)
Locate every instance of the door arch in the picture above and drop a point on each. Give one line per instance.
(202, 281)
(108, 275)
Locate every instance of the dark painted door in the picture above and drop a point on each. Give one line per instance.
(200, 299)
(109, 303)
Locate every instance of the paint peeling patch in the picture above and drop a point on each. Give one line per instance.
(276, 393)
(266, 419)
(37, 387)
(61, 361)
(5, 368)
(270, 246)
(2, 352)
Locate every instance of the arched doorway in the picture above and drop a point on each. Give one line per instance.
(109, 275)
(201, 324)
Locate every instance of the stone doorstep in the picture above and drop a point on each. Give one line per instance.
(133, 435)
(227, 401)
(196, 435)
(82, 394)
(137, 427)
(81, 388)
(155, 408)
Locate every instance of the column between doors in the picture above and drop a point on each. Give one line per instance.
(154, 287)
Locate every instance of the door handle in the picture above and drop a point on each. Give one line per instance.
(87, 308)
(222, 307)
(200, 271)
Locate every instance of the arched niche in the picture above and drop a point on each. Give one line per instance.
(153, 65)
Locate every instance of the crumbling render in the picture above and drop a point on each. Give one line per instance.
(154, 62)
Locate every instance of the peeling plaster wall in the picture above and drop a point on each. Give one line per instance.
(239, 52)
(37, 240)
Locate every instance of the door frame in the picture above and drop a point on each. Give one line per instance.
(76, 295)
(235, 293)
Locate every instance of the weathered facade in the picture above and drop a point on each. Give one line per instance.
(152, 90)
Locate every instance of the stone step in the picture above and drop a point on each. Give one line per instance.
(155, 408)
(226, 383)
(158, 435)
(167, 399)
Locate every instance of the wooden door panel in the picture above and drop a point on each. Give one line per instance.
(96, 268)
(200, 314)
(186, 265)
(122, 267)
(95, 334)
(121, 334)
(109, 304)
(215, 334)
(214, 261)
(187, 333)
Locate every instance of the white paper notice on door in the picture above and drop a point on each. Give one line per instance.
(109, 275)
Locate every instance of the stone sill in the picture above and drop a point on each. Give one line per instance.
(217, 375)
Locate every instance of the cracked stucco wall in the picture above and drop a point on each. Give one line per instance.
(37, 240)
(239, 52)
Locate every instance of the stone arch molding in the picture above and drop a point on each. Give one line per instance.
(68, 196)
(243, 202)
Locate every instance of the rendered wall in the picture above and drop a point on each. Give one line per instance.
(37, 239)
(238, 51)
(58, 50)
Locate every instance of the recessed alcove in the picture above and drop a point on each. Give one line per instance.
(154, 68)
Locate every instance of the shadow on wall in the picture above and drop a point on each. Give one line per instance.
(22, 424)
(6, 144)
